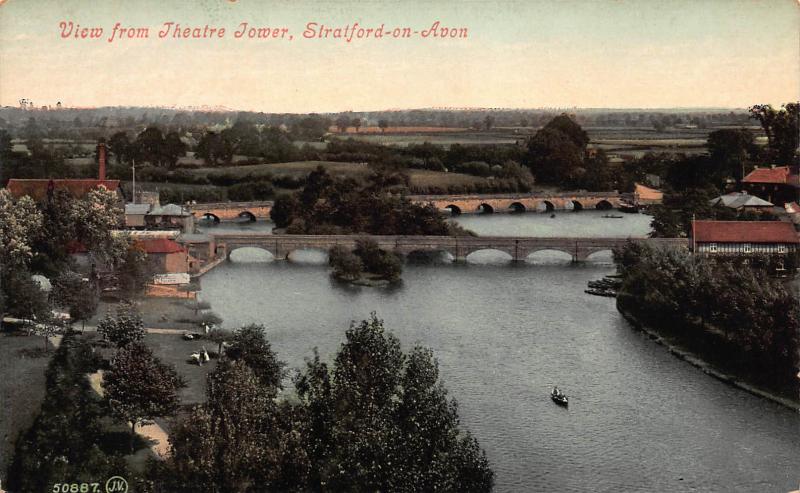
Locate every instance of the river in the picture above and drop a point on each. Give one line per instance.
(639, 418)
(584, 223)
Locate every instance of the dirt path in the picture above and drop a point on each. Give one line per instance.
(152, 433)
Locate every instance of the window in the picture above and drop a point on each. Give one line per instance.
(747, 248)
(781, 248)
(712, 247)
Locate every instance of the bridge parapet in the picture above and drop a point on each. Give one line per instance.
(280, 246)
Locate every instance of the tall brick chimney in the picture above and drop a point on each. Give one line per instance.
(101, 161)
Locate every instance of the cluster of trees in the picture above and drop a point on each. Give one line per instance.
(72, 123)
(376, 419)
(782, 128)
(739, 317)
(67, 442)
(329, 205)
(272, 144)
(150, 146)
(36, 237)
(366, 260)
(138, 386)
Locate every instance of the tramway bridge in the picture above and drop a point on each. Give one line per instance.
(519, 248)
(455, 204)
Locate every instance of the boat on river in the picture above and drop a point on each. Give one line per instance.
(559, 397)
(611, 216)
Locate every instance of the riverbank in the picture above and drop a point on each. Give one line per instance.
(678, 350)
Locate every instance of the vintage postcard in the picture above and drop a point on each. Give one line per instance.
(399, 246)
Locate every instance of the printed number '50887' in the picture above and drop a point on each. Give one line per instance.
(76, 488)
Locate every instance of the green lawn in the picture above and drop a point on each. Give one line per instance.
(22, 388)
(173, 350)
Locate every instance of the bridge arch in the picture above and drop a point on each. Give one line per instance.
(601, 256)
(545, 206)
(550, 255)
(485, 208)
(249, 254)
(489, 256)
(247, 215)
(429, 256)
(210, 216)
(576, 206)
(604, 205)
(454, 209)
(517, 207)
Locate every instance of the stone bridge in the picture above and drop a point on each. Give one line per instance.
(228, 211)
(519, 248)
(456, 204)
(516, 202)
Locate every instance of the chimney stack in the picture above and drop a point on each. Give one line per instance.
(101, 161)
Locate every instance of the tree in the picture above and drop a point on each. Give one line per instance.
(77, 295)
(120, 147)
(149, 146)
(284, 210)
(213, 148)
(227, 443)
(139, 387)
(782, 128)
(488, 122)
(172, 149)
(566, 125)
(381, 421)
(730, 151)
(383, 124)
(220, 336)
(342, 123)
(20, 224)
(346, 265)
(356, 122)
(59, 231)
(133, 271)
(95, 217)
(554, 157)
(250, 345)
(123, 328)
(23, 297)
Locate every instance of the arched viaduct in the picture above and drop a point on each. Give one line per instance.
(229, 211)
(536, 202)
(519, 248)
(456, 204)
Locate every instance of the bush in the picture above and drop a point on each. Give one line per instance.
(346, 265)
(255, 190)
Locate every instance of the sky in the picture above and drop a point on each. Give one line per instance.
(516, 54)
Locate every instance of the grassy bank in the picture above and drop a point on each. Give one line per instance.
(706, 348)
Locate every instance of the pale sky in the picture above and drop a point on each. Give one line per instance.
(526, 54)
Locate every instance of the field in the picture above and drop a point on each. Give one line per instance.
(22, 388)
(352, 170)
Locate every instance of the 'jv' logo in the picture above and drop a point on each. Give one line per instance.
(116, 484)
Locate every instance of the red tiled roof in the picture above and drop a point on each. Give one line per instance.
(37, 188)
(744, 232)
(160, 245)
(779, 174)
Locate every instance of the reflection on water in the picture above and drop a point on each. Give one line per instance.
(587, 223)
(639, 418)
(584, 223)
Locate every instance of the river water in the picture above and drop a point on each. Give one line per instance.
(639, 418)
